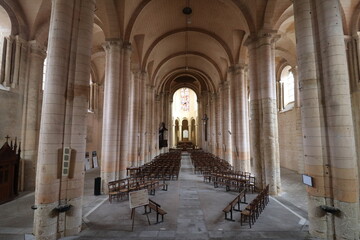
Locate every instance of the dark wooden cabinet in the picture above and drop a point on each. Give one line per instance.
(9, 171)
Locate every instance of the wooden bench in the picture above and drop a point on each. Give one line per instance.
(232, 205)
(157, 208)
(156, 185)
(255, 207)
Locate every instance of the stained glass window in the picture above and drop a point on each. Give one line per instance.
(185, 99)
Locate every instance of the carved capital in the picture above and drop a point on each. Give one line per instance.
(111, 44)
(37, 49)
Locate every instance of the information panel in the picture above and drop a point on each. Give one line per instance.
(138, 198)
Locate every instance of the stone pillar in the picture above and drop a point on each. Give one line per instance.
(143, 119)
(198, 136)
(149, 117)
(125, 115)
(219, 128)
(353, 52)
(156, 123)
(31, 116)
(330, 155)
(63, 119)
(227, 131)
(111, 128)
(212, 128)
(239, 119)
(134, 146)
(170, 124)
(264, 125)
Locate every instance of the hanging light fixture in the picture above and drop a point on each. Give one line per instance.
(187, 11)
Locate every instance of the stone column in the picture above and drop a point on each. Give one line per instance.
(341, 150)
(170, 124)
(264, 125)
(111, 111)
(198, 136)
(329, 145)
(31, 116)
(227, 131)
(149, 117)
(353, 52)
(135, 121)
(63, 119)
(212, 128)
(239, 119)
(156, 124)
(143, 119)
(125, 115)
(219, 128)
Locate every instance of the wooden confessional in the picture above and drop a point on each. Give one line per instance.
(9, 171)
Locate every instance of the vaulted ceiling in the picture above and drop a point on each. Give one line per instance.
(173, 47)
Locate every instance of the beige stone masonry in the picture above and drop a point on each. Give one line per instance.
(63, 118)
(263, 112)
(329, 145)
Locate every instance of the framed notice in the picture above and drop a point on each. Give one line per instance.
(87, 161)
(138, 198)
(95, 159)
(307, 180)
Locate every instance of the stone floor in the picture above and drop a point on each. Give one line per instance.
(194, 211)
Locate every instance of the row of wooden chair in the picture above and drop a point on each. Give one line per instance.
(255, 207)
(232, 180)
(220, 172)
(165, 166)
(119, 188)
(207, 162)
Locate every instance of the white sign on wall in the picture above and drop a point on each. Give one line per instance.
(138, 198)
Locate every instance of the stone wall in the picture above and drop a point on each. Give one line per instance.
(290, 140)
(93, 137)
(11, 114)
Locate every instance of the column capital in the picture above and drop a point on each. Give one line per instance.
(127, 46)
(237, 68)
(263, 36)
(112, 43)
(294, 70)
(37, 49)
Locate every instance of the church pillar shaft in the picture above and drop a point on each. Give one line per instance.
(143, 118)
(213, 129)
(135, 142)
(239, 116)
(227, 131)
(149, 124)
(125, 115)
(219, 119)
(30, 137)
(63, 119)
(111, 112)
(264, 125)
(330, 156)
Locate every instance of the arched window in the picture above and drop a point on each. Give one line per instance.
(44, 74)
(5, 31)
(287, 86)
(92, 96)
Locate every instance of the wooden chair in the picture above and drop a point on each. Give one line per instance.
(248, 214)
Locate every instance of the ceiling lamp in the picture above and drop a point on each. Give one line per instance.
(187, 11)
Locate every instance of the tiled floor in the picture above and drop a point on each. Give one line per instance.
(194, 211)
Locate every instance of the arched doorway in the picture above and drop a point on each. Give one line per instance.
(185, 131)
(184, 113)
